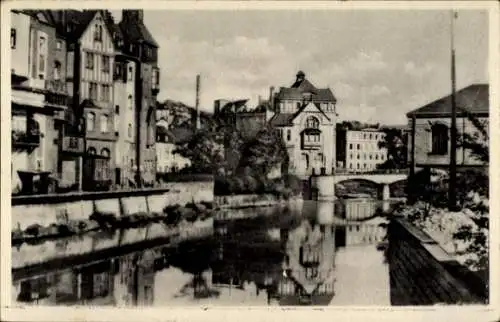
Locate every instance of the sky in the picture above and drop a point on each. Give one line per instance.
(379, 64)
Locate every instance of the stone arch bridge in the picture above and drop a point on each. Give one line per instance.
(325, 184)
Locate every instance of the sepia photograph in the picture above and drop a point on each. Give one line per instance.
(247, 158)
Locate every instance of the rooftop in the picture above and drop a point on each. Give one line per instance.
(473, 99)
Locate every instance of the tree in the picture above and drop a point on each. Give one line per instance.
(397, 149)
(264, 153)
(205, 151)
(477, 142)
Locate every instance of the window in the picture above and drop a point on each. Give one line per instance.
(376, 156)
(305, 159)
(90, 121)
(371, 156)
(42, 55)
(57, 70)
(130, 71)
(439, 139)
(350, 156)
(100, 284)
(357, 156)
(59, 45)
(104, 123)
(311, 272)
(105, 64)
(105, 153)
(350, 165)
(117, 109)
(12, 38)
(312, 122)
(288, 135)
(358, 146)
(156, 77)
(105, 93)
(98, 33)
(129, 130)
(93, 91)
(357, 165)
(350, 146)
(130, 102)
(370, 136)
(89, 60)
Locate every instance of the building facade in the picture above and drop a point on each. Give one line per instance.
(83, 96)
(359, 150)
(140, 44)
(39, 99)
(305, 117)
(166, 143)
(429, 142)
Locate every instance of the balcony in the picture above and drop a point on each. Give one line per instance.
(25, 140)
(311, 139)
(56, 86)
(56, 94)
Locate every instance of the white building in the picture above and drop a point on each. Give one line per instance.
(166, 160)
(305, 117)
(361, 151)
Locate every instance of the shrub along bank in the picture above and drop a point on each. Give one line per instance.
(284, 187)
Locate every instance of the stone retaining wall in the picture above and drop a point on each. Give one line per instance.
(422, 273)
(45, 210)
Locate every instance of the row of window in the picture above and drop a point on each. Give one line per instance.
(104, 124)
(367, 136)
(13, 40)
(293, 106)
(370, 156)
(105, 62)
(364, 166)
(105, 92)
(364, 146)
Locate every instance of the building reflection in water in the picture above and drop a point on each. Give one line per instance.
(291, 262)
(309, 266)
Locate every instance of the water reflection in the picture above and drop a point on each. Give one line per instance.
(285, 256)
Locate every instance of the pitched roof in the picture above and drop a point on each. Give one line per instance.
(320, 94)
(286, 119)
(474, 99)
(282, 119)
(136, 31)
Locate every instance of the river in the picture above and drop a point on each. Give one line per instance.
(320, 253)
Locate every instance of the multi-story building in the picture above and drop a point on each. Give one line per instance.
(140, 46)
(429, 142)
(359, 150)
(91, 52)
(305, 117)
(39, 99)
(166, 143)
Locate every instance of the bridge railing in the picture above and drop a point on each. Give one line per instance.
(378, 171)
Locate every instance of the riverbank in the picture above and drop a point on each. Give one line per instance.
(238, 201)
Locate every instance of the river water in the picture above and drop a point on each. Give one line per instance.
(318, 253)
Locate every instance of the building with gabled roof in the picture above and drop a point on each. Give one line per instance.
(305, 116)
(429, 141)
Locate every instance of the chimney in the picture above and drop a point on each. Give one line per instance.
(198, 123)
(271, 97)
(133, 16)
(216, 107)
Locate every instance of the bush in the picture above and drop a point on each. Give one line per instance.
(251, 184)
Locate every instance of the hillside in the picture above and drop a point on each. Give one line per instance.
(180, 114)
